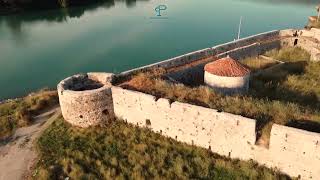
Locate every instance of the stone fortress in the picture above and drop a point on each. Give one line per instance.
(93, 99)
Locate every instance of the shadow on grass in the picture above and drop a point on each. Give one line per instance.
(305, 125)
(268, 85)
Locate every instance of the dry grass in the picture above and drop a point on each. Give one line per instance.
(289, 54)
(313, 24)
(18, 113)
(258, 63)
(122, 151)
(286, 95)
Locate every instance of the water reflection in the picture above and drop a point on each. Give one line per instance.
(288, 2)
(39, 49)
(15, 22)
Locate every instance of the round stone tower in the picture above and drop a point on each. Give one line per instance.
(86, 99)
(227, 76)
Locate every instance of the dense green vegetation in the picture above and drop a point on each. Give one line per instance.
(19, 112)
(122, 151)
(286, 95)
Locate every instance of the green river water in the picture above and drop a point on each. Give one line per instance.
(38, 49)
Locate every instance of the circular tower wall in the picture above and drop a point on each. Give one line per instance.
(227, 84)
(227, 75)
(86, 99)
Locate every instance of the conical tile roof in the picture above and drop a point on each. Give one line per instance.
(227, 67)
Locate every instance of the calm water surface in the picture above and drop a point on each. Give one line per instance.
(39, 49)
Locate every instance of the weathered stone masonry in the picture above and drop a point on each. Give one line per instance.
(293, 151)
(85, 106)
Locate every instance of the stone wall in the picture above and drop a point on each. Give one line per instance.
(174, 62)
(293, 151)
(214, 51)
(246, 47)
(224, 133)
(308, 40)
(245, 42)
(90, 107)
(192, 75)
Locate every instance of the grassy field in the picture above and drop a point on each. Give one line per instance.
(286, 95)
(122, 151)
(18, 113)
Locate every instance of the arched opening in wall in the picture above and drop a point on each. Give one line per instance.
(105, 112)
(148, 122)
(295, 42)
(263, 132)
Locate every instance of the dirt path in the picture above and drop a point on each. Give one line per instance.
(17, 155)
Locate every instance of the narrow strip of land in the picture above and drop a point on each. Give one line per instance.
(17, 154)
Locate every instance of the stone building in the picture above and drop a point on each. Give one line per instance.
(227, 75)
(86, 99)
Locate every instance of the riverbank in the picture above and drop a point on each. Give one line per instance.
(20, 112)
(18, 155)
(8, 7)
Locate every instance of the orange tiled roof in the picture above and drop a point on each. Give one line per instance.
(227, 67)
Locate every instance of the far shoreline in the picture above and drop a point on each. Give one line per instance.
(16, 98)
(15, 8)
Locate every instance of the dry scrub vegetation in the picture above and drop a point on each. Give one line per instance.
(287, 95)
(19, 112)
(256, 64)
(122, 151)
(313, 24)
